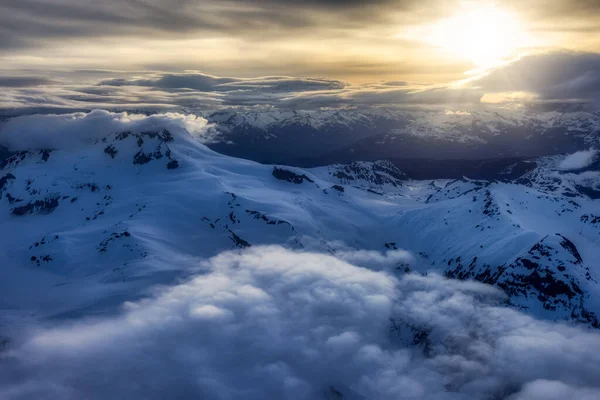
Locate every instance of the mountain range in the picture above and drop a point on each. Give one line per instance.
(425, 144)
(112, 215)
(130, 245)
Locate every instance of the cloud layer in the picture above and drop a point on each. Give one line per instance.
(271, 323)
(578, 160)
(26, 23)
(552, 80)
(62, 131)
(559, 76)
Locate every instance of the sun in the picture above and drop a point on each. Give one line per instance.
(485, 35)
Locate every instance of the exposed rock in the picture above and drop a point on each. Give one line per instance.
(289, 176)
(45, 206)
(5, 179)
(238, 241)
(173, 164)
(269, 221)
(376, 173)
(111, 151)
(551, 273)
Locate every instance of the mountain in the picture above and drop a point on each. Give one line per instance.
(324, 137)
(90, 227)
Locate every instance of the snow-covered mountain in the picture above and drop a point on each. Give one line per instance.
(91, 226)
(322, 137)
(130, 246)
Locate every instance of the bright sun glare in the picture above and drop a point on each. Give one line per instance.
(483, 35)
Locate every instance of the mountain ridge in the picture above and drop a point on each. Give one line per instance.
(117, 197)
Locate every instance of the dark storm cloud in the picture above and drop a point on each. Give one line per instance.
(563, 76)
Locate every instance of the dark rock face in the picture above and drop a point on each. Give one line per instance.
(591, 219)
(173, 164)
(339, 188)
(268, 221)
(238, 241)
(45, 154)
(45, 206)
(571, 248)
(376, 173)
(15, 159)
(551, 272)
(290, 176)
(5, 179)
(11, 199)
(103, 246)
(111, 151)
(589, 192)
(157, 141)
(144, 158)
(489, 207)
(92, 186)
(38, 260)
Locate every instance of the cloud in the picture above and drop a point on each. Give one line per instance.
(201, 92)
(389, 260)
(559, 76)
(23, 81)
(550, 390)
(549, 81)
(33, 22)
(30, 23)
(272, 323)
(209, 83)
(71, 130)
(578, 160)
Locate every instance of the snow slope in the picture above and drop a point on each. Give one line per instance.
(91, 227)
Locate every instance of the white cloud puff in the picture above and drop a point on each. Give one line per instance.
(578, 160)
(272, 323)
(52, 131)
(376, 260)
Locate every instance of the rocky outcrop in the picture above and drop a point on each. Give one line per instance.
(550, 275)
(290, 176)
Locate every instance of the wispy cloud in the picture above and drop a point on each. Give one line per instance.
(578, 160)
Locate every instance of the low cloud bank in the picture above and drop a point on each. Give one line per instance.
(63, 131)
(272, 323)
(546, 81)
(578, 160)
(389, 260)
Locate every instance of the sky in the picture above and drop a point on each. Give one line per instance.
(394, 46)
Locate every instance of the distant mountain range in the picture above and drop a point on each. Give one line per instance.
(429, 144)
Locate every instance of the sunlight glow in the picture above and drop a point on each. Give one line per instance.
(484, 35)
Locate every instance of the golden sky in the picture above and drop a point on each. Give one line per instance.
(427, 41)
